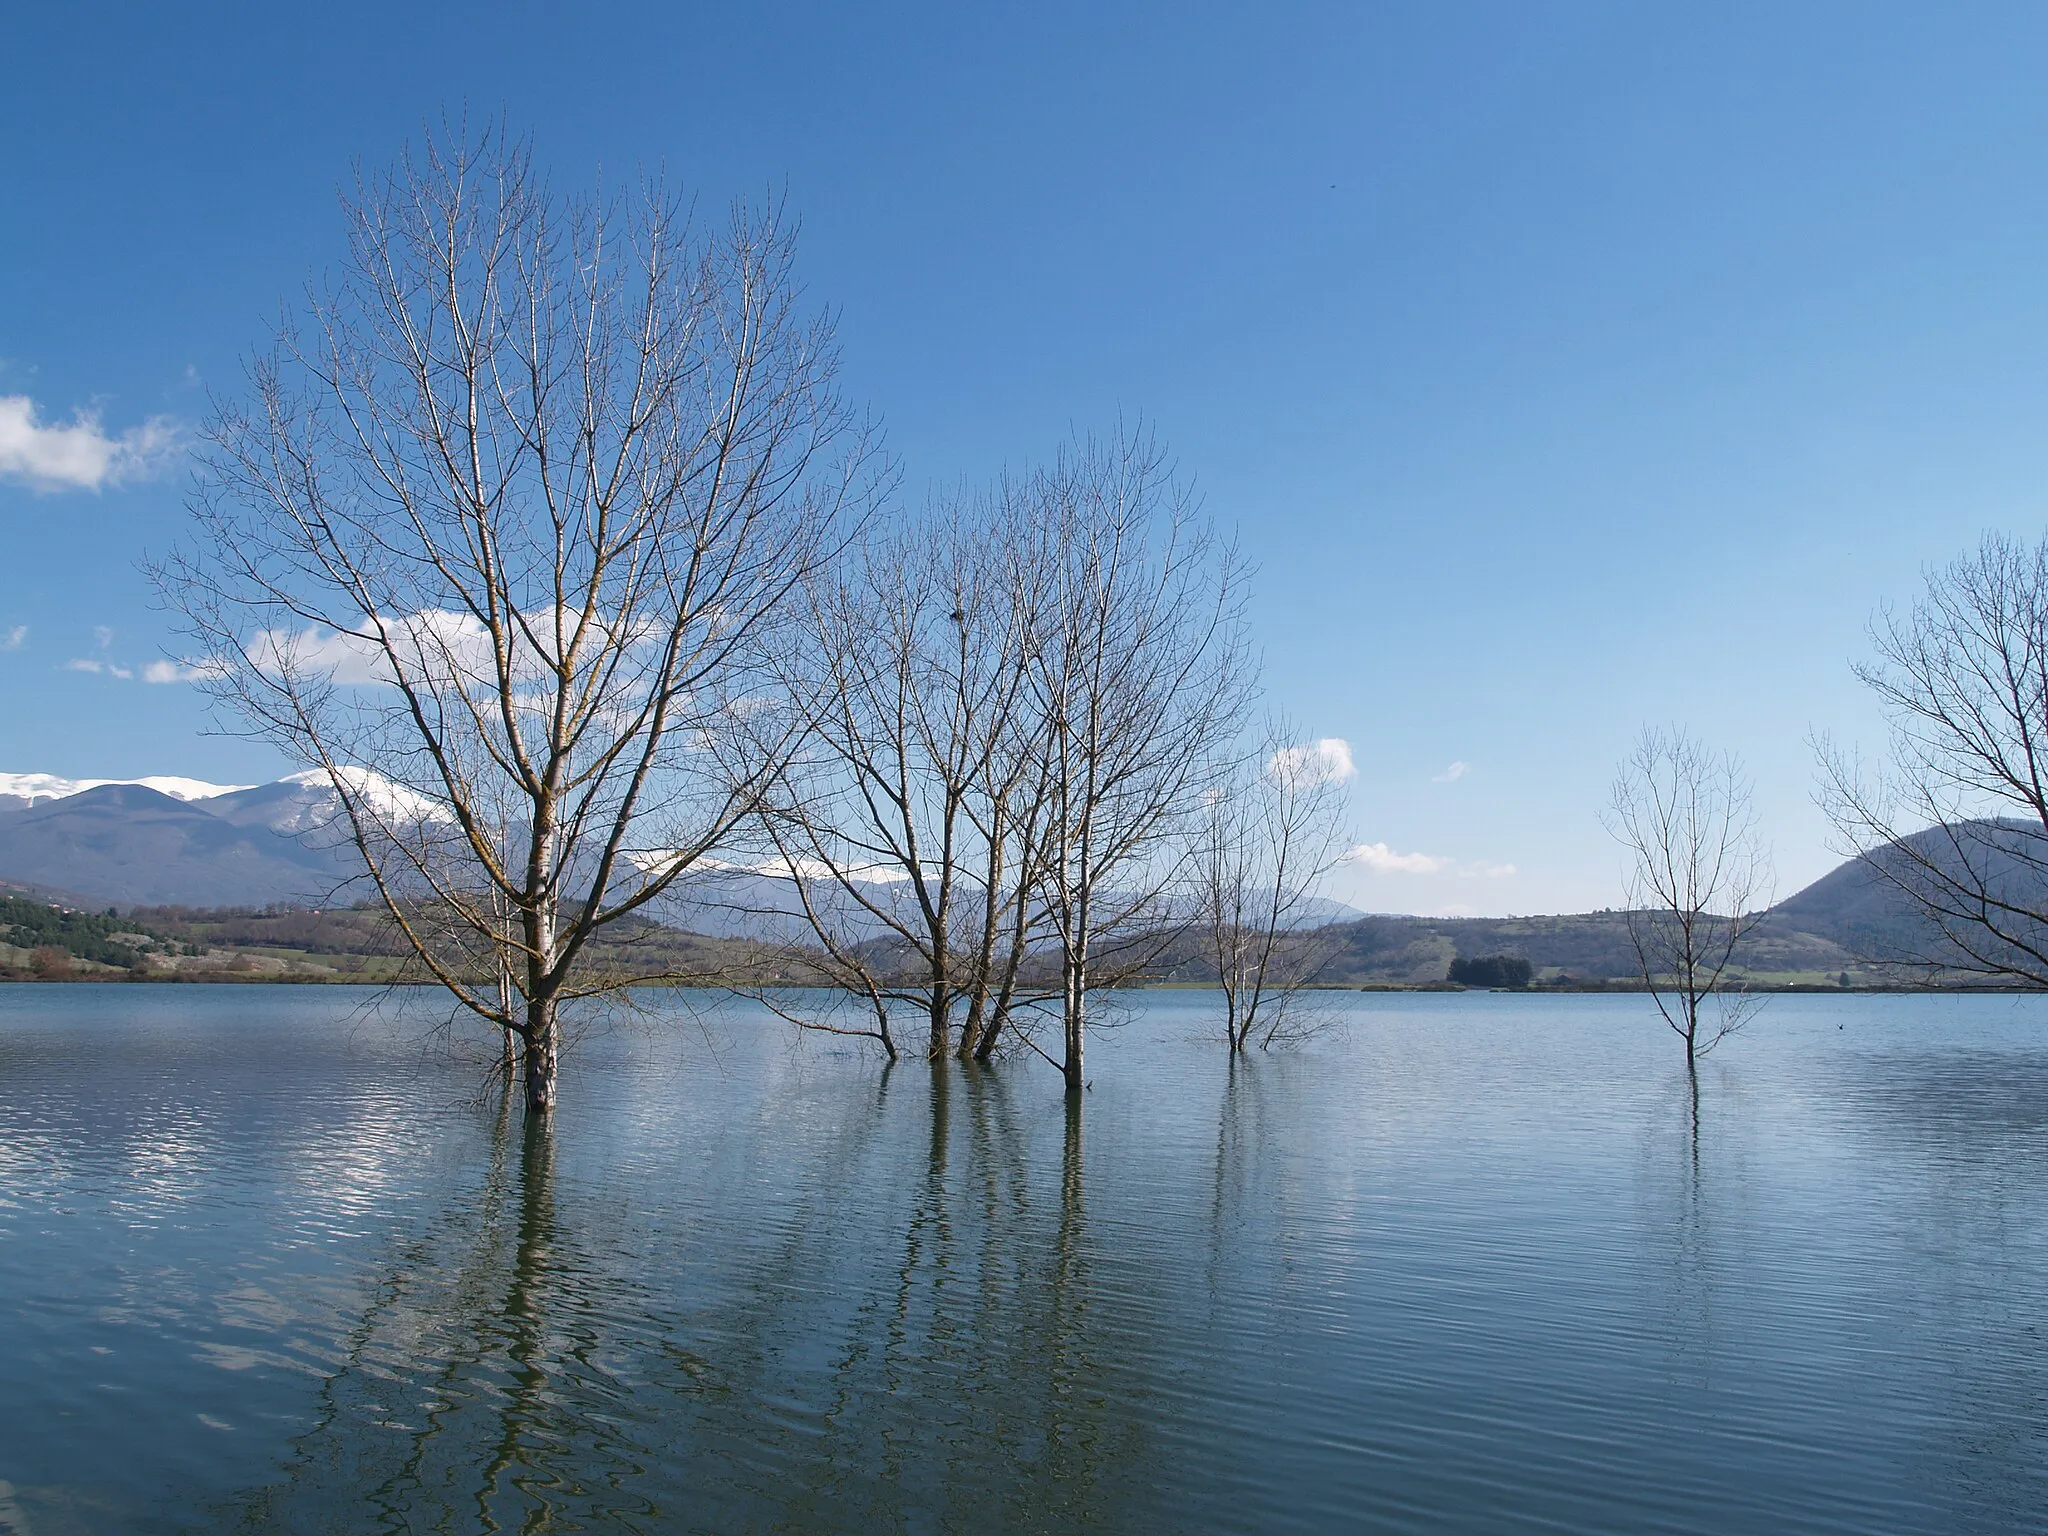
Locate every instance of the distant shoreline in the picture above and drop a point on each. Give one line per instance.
(1617, 988)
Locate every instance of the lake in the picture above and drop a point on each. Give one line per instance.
(270, 1260)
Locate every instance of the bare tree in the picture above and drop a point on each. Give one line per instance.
(1274, 830)
(1958, 825)
(494, 545)
(1699, 883)
(1139, 682)
(1011, 715)
(906, 822)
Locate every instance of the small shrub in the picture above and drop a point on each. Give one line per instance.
(50, 962)
(1492, 971)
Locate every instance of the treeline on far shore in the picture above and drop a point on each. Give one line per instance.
(46, 941)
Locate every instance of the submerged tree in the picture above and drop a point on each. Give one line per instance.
(1011, 713)
(1958, 825)
(494, 544)
(906, 823)
(1699, 881)
(1272, 832)
(1139, 684)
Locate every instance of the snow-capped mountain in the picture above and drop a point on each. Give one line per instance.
(29, 788)
(175, 841)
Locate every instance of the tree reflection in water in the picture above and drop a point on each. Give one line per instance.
(879, 1350)
(456, 1403)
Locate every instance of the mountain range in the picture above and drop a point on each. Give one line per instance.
(183, 842)
(170, 841)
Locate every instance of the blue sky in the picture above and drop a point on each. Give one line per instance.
(1563, 367)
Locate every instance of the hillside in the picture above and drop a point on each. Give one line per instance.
(1587, 948)
(1852, 921)
(41, 940)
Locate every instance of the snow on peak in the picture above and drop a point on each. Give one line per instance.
(48, 786)
(393, 802)
(390, 801)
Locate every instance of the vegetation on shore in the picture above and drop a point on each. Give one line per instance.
(42, 941)
(1588, 951)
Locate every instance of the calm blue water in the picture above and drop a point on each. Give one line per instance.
(1470, 1263)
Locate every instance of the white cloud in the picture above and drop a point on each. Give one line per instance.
(340, 655)
(79, 455)
(1452, 774)
(434, 644)
(15, 638)
(100, 665)
(1382, 860)
(1327, 761)
(174, 672)
(97, 666)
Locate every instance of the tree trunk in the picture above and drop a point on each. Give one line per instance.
(543, 1044)
(505, 1012)
(985, 1039)
(1076, 1002)
(985, 949)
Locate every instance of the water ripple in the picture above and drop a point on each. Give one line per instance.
(1480, 1264)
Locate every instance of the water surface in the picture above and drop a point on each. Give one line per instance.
(269, 1261)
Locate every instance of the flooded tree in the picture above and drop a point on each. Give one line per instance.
(1272, 831)
(1698, 884)
(493, 542)
(1011, 715)
(907, 821)
(1139, 681)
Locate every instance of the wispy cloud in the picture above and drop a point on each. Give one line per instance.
(100, 663)
(175, 672)
(15, 638)
(1382, 860)
(78, 455)
(1452, 774)
(441, 646)
(1327, 761)
(96, 665)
